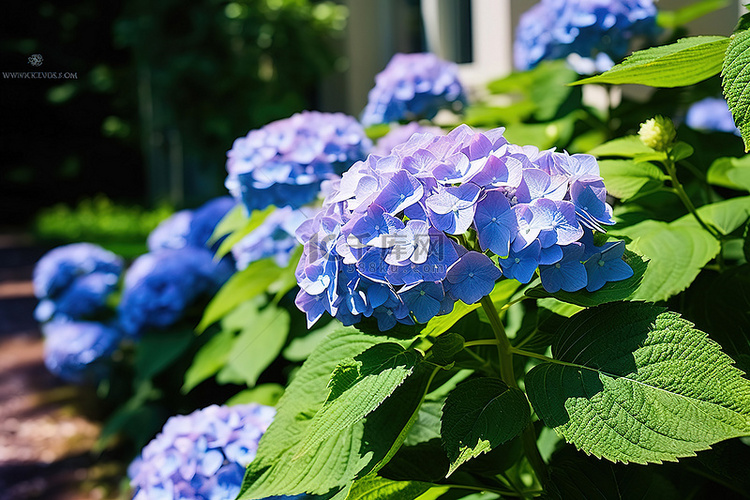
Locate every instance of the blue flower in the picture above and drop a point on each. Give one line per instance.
(200, 456)
(74, 281)
(160, 286)
(399, 135)
(594, 32)
(284, 163)
(607, 265)
(77, 351)
(711, 114)
(190, 227)
(385, 245)
(274, 238)
(412, 86)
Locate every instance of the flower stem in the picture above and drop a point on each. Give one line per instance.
(680, 191)
(505, 354)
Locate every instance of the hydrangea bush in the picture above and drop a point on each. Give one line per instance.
(413, 86)
(201, 456)
(391, 241)
(594, 32)
(78, 351)
(283, 163)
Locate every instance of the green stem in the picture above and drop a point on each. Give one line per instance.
(505, 354)
(680, 191)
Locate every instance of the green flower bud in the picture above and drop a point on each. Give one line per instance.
(657, 133)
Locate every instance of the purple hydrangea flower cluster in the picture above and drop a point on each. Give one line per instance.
(394, 241)
(77, 351)
(283, 163)
(74, 281)
(596, 30)
(711, 114)
(275, 237)
(399, 135)
(413, 86)
(190, 227)
(160, 286)
(201, 456)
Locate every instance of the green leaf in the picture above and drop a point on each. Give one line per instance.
(250, 225)
(301, 347)
(735, 79)
(680, 17)
(232, 221)
(478, 416)
(681, 150)
(427, 424)
(733, 173)
(676, 254)
(636, 383)
(629, 146)
(629, 289)
(688, 61)
(241, 287)
(209, 359)
(265, 394)
(356, 450)
(625, 178)
(726, 216)
(358, 387)
(746, 242)
(258, 343)
(372, 487)
(445, 348)
(156, 350)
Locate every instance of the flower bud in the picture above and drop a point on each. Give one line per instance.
(657, 133)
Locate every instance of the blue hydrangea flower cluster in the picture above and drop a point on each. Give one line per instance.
(160, 286)
(394, 240)
(74, 281)
(599, 31)
(201, 456)
(711, 114)
(275, 238)
(413, 86)
(283, 163)
(190, 227)
(77, 351)
(400, 134)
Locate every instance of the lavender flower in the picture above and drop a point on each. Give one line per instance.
(77, 351)
(200, 456)
(711, 114)
(190, 227)
(399, 135)
(413, 86)
(160, 286)
(386, 244)
(593, 32)
(273, 238)
(284, 163)
(74, 281)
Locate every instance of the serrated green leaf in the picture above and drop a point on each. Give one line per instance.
(209, 359)
(735, 79)
(265, 394)
(357, 449)
(688, 61)
(479, 415)
(625, 147)
(625, 178)
(733, 173)
(680, 17)
(629, 289)
(636, 383)
(374, 487)
(358, 388)
(251, 224)
(676, 254)
(241, 287)
(258, 343)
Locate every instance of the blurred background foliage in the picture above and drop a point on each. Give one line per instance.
(162, 90)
